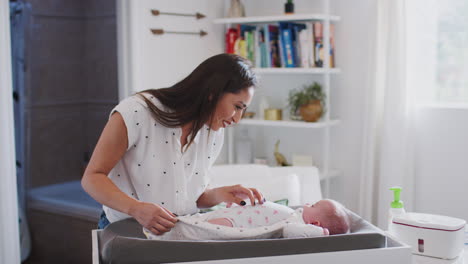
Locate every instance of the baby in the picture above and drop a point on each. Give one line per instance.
(329, 215)
(269, 220)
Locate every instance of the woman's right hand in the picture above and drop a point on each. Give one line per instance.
(155, 218)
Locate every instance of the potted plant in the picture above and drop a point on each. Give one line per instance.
(307, 103)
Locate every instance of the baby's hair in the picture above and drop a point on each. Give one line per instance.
(338, 219)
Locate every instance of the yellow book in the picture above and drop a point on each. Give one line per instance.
(243, 48)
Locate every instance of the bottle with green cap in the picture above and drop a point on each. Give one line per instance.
(396, 206)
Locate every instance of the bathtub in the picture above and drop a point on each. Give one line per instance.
(67, 199)
(61, 217)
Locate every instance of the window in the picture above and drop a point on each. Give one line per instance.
(452, 51)
(437, 42)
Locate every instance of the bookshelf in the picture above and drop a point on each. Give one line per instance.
(288, 123)
(280, 18)
(296, 70)
(325, 72)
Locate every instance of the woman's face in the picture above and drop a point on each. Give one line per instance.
(230, 108)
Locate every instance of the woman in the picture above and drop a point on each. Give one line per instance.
(152, 159)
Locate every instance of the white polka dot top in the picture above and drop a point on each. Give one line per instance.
(153, 169)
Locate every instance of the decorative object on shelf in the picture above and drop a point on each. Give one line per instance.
(302, 160)
(248, 115)
(312, 111)
(261, 160)
(262, 106)
(274, 114)
(307, 103)
(160, 31)
(156, 12)
(280, 159)
(244, 149)
(236, 9)
(289, 7)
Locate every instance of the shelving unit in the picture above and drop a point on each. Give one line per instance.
(326, 123)
(279, 18)
(288, 123)
(296, 70)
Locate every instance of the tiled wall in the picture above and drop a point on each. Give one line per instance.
(101, 66)
(70, 84)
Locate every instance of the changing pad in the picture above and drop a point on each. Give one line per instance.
(124, 242)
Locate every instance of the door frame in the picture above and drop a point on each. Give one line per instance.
(9, 227)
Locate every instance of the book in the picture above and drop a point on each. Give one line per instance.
(231, 36)
(248, 45)
(242, 48)
(263, 55)
(257, 43)
(287, 51)
(273, 37)
(304, 49)
(291, 44)
(310, 44)
(318, 48)
(332, 46)
(266, 32)
(297, 28)
(282, 59)
(251, 46)
(245, 32)
(237, 46)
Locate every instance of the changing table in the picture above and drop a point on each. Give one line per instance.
(124, 242)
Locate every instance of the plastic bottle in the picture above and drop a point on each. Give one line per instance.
(262, 106)
(396, 207)
(244, 149)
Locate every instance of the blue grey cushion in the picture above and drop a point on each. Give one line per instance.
(124, 242)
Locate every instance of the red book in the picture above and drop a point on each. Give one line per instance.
(231, 36)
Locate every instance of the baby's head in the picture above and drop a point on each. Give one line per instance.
(328, 214)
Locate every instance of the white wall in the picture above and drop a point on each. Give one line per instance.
(442, 161)
(353, 57)
(156, 61)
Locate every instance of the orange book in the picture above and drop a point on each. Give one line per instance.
(332, 46)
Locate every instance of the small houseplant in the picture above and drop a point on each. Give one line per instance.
(307, 103)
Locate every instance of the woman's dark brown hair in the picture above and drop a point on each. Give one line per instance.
(194, 99)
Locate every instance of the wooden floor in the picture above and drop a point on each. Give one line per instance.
(59, 239)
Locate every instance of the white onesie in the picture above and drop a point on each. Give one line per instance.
(269, 220)
(254, 216)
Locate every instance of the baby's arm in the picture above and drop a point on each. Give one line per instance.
(221, 221)
(294, 230)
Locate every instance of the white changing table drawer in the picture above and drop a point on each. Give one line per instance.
(393, 253)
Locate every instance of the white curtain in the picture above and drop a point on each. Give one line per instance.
(9, 230)
(387, 147)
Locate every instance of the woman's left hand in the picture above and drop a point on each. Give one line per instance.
(237, 194)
